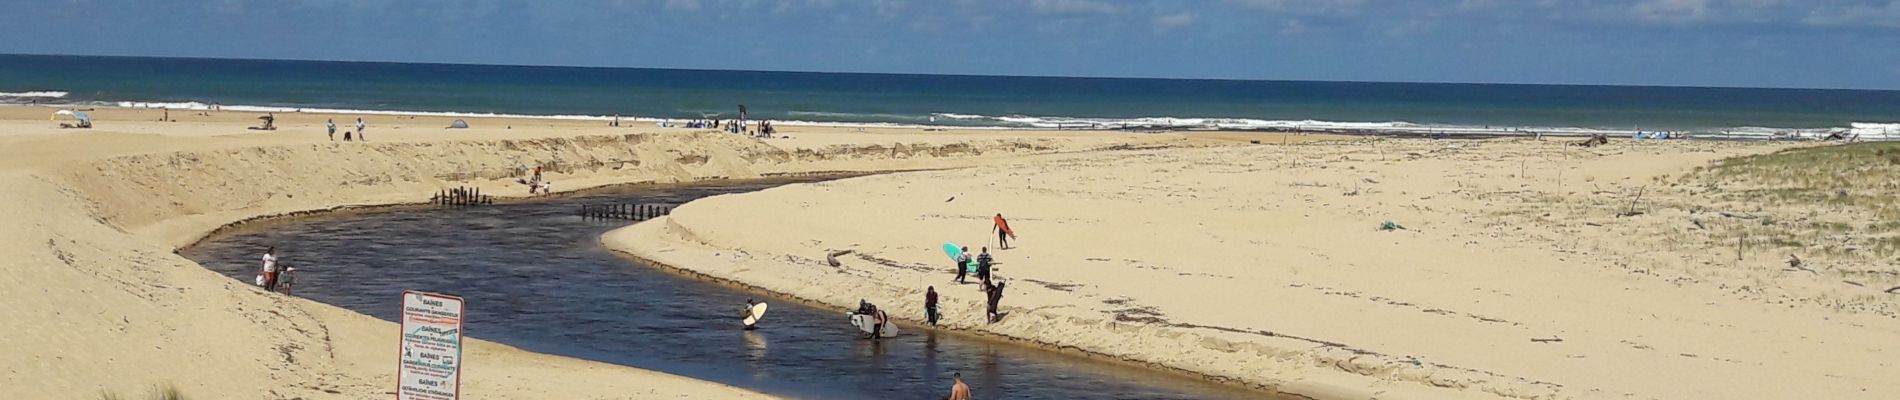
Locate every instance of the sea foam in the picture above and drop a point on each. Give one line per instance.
(1862, 130)
(45, 94)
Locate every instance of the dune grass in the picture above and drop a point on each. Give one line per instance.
(166, 392)
(1848, 195)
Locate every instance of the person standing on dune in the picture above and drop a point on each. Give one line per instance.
(930, 305)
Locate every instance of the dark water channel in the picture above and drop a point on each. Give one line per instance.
(535, 276)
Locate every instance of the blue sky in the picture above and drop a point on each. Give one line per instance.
(1773, 43)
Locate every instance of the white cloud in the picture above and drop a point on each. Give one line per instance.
(1073, 7)
(1168, 22)
(1876, 15)
(1310, 7)
(1671, 10)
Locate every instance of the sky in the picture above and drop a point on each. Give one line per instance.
(1751, 43)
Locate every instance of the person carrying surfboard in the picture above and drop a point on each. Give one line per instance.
(983, 266)
(963, 264)
(1003, 233)
(995, 297)
(750, 314)
(876, 316)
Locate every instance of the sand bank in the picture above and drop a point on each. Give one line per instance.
(1524, 269)
(97, 301)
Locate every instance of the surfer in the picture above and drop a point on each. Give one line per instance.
(877, 317)
(983, 266)
(959, 390)
(995, 297)
(963, 260)
(1003, 233)
(930, 305)
(746, 314)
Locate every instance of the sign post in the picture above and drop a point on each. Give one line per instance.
(431, 353)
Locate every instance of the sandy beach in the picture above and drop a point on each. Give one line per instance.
(1374, 268)
(1513, 268)
(99, 303)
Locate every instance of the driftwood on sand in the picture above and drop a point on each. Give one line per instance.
(1593, 141)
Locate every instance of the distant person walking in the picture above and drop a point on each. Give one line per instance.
(270, 269)
(983, 266)
(331, 123)
(958, 390)
(930, 305)
(1003, 233)
(359, 131)
(963, 260)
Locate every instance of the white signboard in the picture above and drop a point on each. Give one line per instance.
(431, 358)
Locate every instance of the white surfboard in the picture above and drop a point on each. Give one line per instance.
(758, 312)
(864, 324)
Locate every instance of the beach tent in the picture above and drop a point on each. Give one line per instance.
(458, 124)
(76, 115)
(85, 121)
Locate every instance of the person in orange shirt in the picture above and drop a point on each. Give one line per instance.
(959, 391)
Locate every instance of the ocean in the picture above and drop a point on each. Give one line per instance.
(940, 100)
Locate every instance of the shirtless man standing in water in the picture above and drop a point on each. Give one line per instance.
(958, 390)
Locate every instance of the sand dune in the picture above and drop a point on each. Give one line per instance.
(1524, 269)
(97, 301)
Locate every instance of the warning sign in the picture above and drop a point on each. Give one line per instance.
(431, 355)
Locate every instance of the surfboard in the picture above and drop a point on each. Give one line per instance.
(864, 324)
(1003, 224)
(758, 312)
(951, 249)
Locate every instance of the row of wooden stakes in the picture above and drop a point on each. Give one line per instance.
(636, 212)
(461, 196)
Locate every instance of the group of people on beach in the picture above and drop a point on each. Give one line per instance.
(331, 124)
(992, 288)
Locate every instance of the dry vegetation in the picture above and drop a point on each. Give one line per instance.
(1833, 201)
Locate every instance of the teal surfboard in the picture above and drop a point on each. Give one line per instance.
(951, 249)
